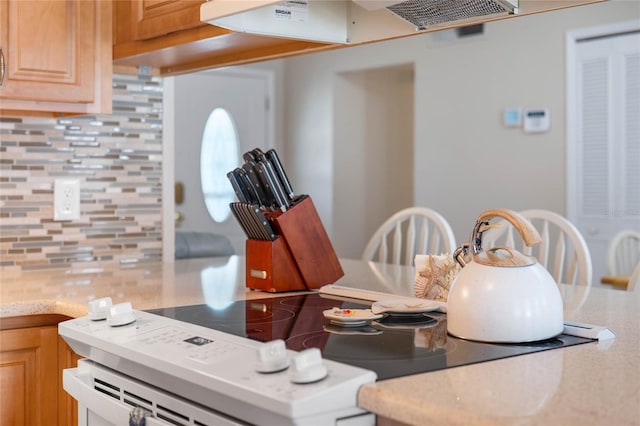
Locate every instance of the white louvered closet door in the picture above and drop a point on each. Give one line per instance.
(603, 186)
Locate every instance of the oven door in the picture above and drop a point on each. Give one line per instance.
(106, 397)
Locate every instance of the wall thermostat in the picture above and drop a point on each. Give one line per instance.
(536, 120)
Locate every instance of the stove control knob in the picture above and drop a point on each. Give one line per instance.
(307, 367)
(120, 314)
(272, 357)
(98, 308)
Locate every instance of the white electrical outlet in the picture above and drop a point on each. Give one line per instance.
(66, 194)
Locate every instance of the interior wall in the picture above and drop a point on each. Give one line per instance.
(373, 152)
(473, 162)
(465, 160)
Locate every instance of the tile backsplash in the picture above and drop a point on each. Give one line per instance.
(118, 160)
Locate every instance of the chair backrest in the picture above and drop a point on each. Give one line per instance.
(634, 281)
(563, 251)
(415, 230)
(623, 253)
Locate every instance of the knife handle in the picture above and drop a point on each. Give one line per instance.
(274, 159)
(237, 186)
(254, 224)
(266, 184)
(257, 154)
(254, 181)
(272, 185)
(247, 186)
(249, 156)
(241, 220)
(286, 202)
(264, 224)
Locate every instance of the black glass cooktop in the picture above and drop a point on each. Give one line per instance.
(392, 346)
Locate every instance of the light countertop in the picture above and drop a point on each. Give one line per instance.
(591, 384)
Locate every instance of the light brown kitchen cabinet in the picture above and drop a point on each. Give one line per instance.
(56, 55)
(31, 362)
(153, 18)
(167, 36)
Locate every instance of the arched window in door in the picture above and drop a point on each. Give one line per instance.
(218, 155)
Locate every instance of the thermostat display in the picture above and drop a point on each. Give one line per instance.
(512, 117)
(537, 120)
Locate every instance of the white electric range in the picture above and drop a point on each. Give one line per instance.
(177, 373)
(270, 361)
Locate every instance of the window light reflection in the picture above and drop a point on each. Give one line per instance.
(219, 284)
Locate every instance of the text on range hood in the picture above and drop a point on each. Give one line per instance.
(348, 21)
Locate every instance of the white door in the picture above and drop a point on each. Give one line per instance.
(603, 185)
(245, 97)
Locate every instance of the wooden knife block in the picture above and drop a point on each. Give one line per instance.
(301, 258)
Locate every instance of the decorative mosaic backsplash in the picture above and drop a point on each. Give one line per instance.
(118, 160)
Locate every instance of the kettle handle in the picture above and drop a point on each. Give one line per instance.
(527, 231)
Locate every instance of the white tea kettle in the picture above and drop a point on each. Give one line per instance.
(501, 295)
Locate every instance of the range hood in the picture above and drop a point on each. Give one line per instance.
(361, 21)
(344, 21)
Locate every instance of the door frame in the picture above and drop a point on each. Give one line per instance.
(571, 42)
(597, 242)
(168, 146)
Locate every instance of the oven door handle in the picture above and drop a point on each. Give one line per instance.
(78, 385)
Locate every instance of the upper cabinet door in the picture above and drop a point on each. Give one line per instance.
(56, 52)
(153, 18)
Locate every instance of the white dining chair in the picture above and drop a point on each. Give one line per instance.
(411, 231)
(623, 253)
(634, 280)
(563, 250)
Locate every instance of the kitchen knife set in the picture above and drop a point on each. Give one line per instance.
(287, 247)
(261, 186)
(262, 180)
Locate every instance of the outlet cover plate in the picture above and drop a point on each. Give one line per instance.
(66, 194)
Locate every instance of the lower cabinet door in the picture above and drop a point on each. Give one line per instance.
(29, 379)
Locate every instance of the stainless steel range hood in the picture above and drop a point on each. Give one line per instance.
(361, 21)
(427, 13)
